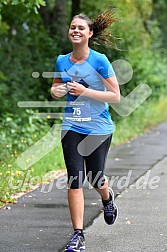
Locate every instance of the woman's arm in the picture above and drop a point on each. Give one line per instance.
(58, 89)
(111, 95)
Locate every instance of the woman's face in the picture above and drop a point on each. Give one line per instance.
(79, 31)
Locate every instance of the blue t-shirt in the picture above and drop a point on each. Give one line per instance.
(83, 114)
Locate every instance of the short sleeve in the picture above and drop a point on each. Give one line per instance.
(57, 73)
(105, 68)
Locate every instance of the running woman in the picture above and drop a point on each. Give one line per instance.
(88, 80)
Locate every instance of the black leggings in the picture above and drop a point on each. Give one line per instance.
(89, 150)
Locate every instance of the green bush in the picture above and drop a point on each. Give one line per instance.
(26, 47)
(17, 134)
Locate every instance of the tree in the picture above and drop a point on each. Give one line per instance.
(29, 4)
(160, 14)
(55, 16)
(59, 19)
(55, 19)
(76, 7)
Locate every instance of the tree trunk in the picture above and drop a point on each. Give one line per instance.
(75, 8)
(59, 20)
(45, 14)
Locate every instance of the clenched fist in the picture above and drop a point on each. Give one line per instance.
(75, 88)
(58, 91)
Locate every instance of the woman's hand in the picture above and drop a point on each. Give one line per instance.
(59, 91)
(75, 88)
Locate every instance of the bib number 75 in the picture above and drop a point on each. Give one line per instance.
(77, 111)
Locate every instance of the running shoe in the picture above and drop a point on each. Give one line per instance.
(110, 209)
(76, 244)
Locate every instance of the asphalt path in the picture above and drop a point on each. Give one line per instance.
(40, 220)
(142, 222)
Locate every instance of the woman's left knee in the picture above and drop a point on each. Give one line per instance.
(98, 181)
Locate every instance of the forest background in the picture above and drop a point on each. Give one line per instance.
(32, 35)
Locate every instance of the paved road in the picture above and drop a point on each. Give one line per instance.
(40, 221)
(142, 222)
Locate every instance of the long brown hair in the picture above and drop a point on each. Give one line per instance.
(99, 25)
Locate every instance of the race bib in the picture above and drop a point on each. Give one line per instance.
(78, 111)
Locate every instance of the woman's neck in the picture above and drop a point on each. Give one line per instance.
(80, 53)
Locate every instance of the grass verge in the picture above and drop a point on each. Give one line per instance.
(140, 121)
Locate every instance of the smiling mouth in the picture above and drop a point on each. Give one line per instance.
(76, 36)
